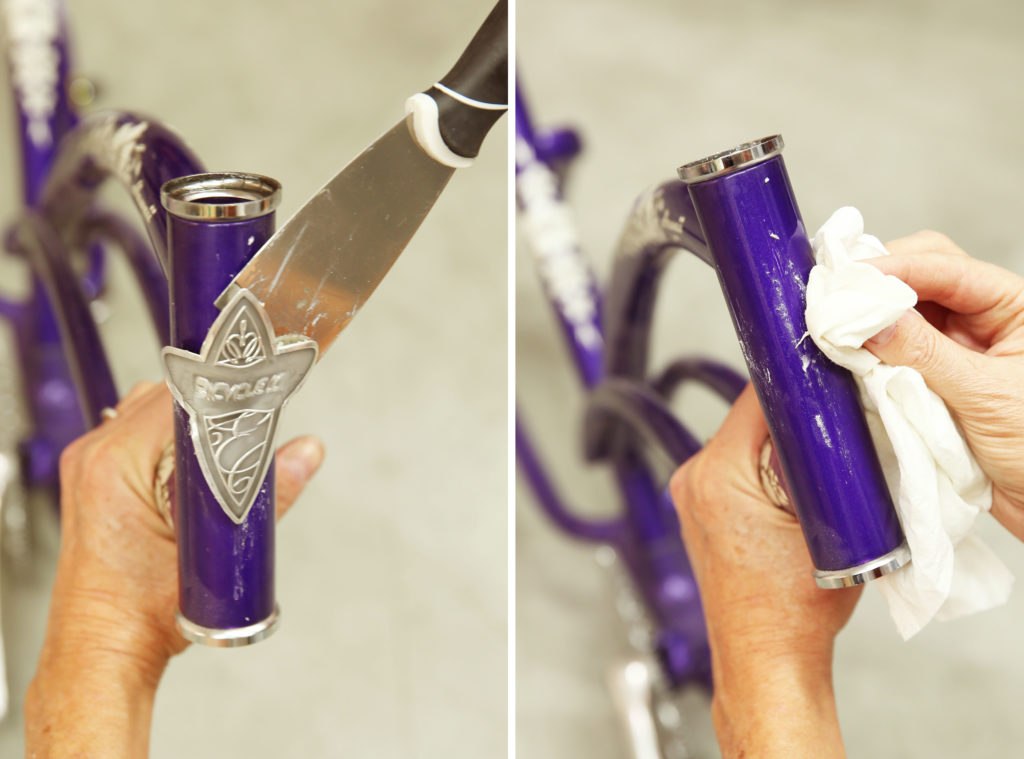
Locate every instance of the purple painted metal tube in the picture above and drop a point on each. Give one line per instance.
(84, 355)
(600, 531)
(644, 412)
(225, 570)
(762, 255)
(38, 44)
(149, 275)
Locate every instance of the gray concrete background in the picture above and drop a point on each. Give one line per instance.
(392, 568)
(908, 110)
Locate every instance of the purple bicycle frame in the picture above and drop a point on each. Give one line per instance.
(741, 219)
(626, 409)
(226, 578)
(44, 114)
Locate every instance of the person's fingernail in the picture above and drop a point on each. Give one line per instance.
(306, 456)
(888, 333)
(882, 337)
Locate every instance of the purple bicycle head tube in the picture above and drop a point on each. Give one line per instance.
(216, 223)
(761, 253)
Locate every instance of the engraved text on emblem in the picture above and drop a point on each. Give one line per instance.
(233, 391)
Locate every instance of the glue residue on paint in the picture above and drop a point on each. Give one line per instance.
(824, 432)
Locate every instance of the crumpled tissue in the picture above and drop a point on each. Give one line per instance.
(936, 483)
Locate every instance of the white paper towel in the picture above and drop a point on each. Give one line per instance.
(937, 485)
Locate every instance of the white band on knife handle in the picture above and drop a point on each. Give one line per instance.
(470, 101)
(428, 134)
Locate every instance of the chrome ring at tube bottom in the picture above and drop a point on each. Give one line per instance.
(232, 637)
(862, 573)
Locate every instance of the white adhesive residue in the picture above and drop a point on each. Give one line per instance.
(32, 28)
(666, 219)
(118, 148)
(824, 432)
(551, 232)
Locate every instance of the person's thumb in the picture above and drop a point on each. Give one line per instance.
(947, 367)
(297, 462)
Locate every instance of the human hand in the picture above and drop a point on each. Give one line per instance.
(111, 629)
(966, 339)
(771, 629)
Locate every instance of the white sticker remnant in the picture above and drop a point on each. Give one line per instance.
(32, 27)
(551, 232)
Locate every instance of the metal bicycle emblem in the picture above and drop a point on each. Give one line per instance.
(233, 391)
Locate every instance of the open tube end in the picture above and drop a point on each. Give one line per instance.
(734, 159)
(221, 196)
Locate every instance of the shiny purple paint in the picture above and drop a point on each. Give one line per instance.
(225, 570)
(762, 256)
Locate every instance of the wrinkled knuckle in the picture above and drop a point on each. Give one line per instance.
(920, 348)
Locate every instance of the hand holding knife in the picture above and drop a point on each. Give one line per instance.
(280, 313)
(318, 270)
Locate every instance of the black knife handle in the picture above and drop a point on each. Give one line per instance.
(479, 81)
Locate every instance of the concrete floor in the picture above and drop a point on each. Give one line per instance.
(392, 570)
(909, 110)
